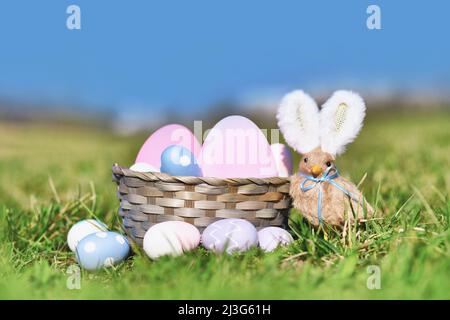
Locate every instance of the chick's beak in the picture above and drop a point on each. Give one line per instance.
(316, 170)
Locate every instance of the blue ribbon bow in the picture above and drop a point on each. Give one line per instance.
(327, 176)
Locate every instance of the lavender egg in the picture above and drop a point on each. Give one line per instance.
(271, 237)
(230, 235)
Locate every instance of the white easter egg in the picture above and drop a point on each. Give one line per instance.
(271, 237)
(82, 229)
(102, 249)
(143, 167)
(170, 238)
(230, 235)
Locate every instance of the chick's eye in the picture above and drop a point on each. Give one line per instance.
(328, 164)
(305, 159)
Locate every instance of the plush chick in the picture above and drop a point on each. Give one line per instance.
(318, 191)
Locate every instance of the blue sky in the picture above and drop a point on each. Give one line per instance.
(191, 54)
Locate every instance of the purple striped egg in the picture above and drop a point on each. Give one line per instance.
(230, 235)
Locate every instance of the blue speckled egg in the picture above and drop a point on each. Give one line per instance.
(179, 161)
(102, 249)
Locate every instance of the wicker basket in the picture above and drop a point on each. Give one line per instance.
(150, 198)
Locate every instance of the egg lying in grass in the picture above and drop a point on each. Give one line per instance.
(271, 237)
(82, 229)
(230, 235)
(170, 238)
(102, 249)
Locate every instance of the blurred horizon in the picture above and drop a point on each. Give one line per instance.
(147, 63)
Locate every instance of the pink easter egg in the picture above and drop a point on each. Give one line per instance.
(236, 148)
(283, 159)
(188, 234)
(172, 134)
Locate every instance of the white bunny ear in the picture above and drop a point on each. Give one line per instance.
(341, 119)
(298, 120)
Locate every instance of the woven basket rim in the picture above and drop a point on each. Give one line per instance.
(163, 177)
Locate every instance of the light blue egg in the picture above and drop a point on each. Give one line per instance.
(102, 249)
(179, 161)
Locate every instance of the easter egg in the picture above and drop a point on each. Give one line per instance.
(102, 249)
(236, 148)
(143, 167)
(170, 238)
(82, 229)
(271, 237)
(172, 134)
(283, 159)
(230, 235)
(179, 161)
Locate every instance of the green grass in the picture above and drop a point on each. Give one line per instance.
(53, 176)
